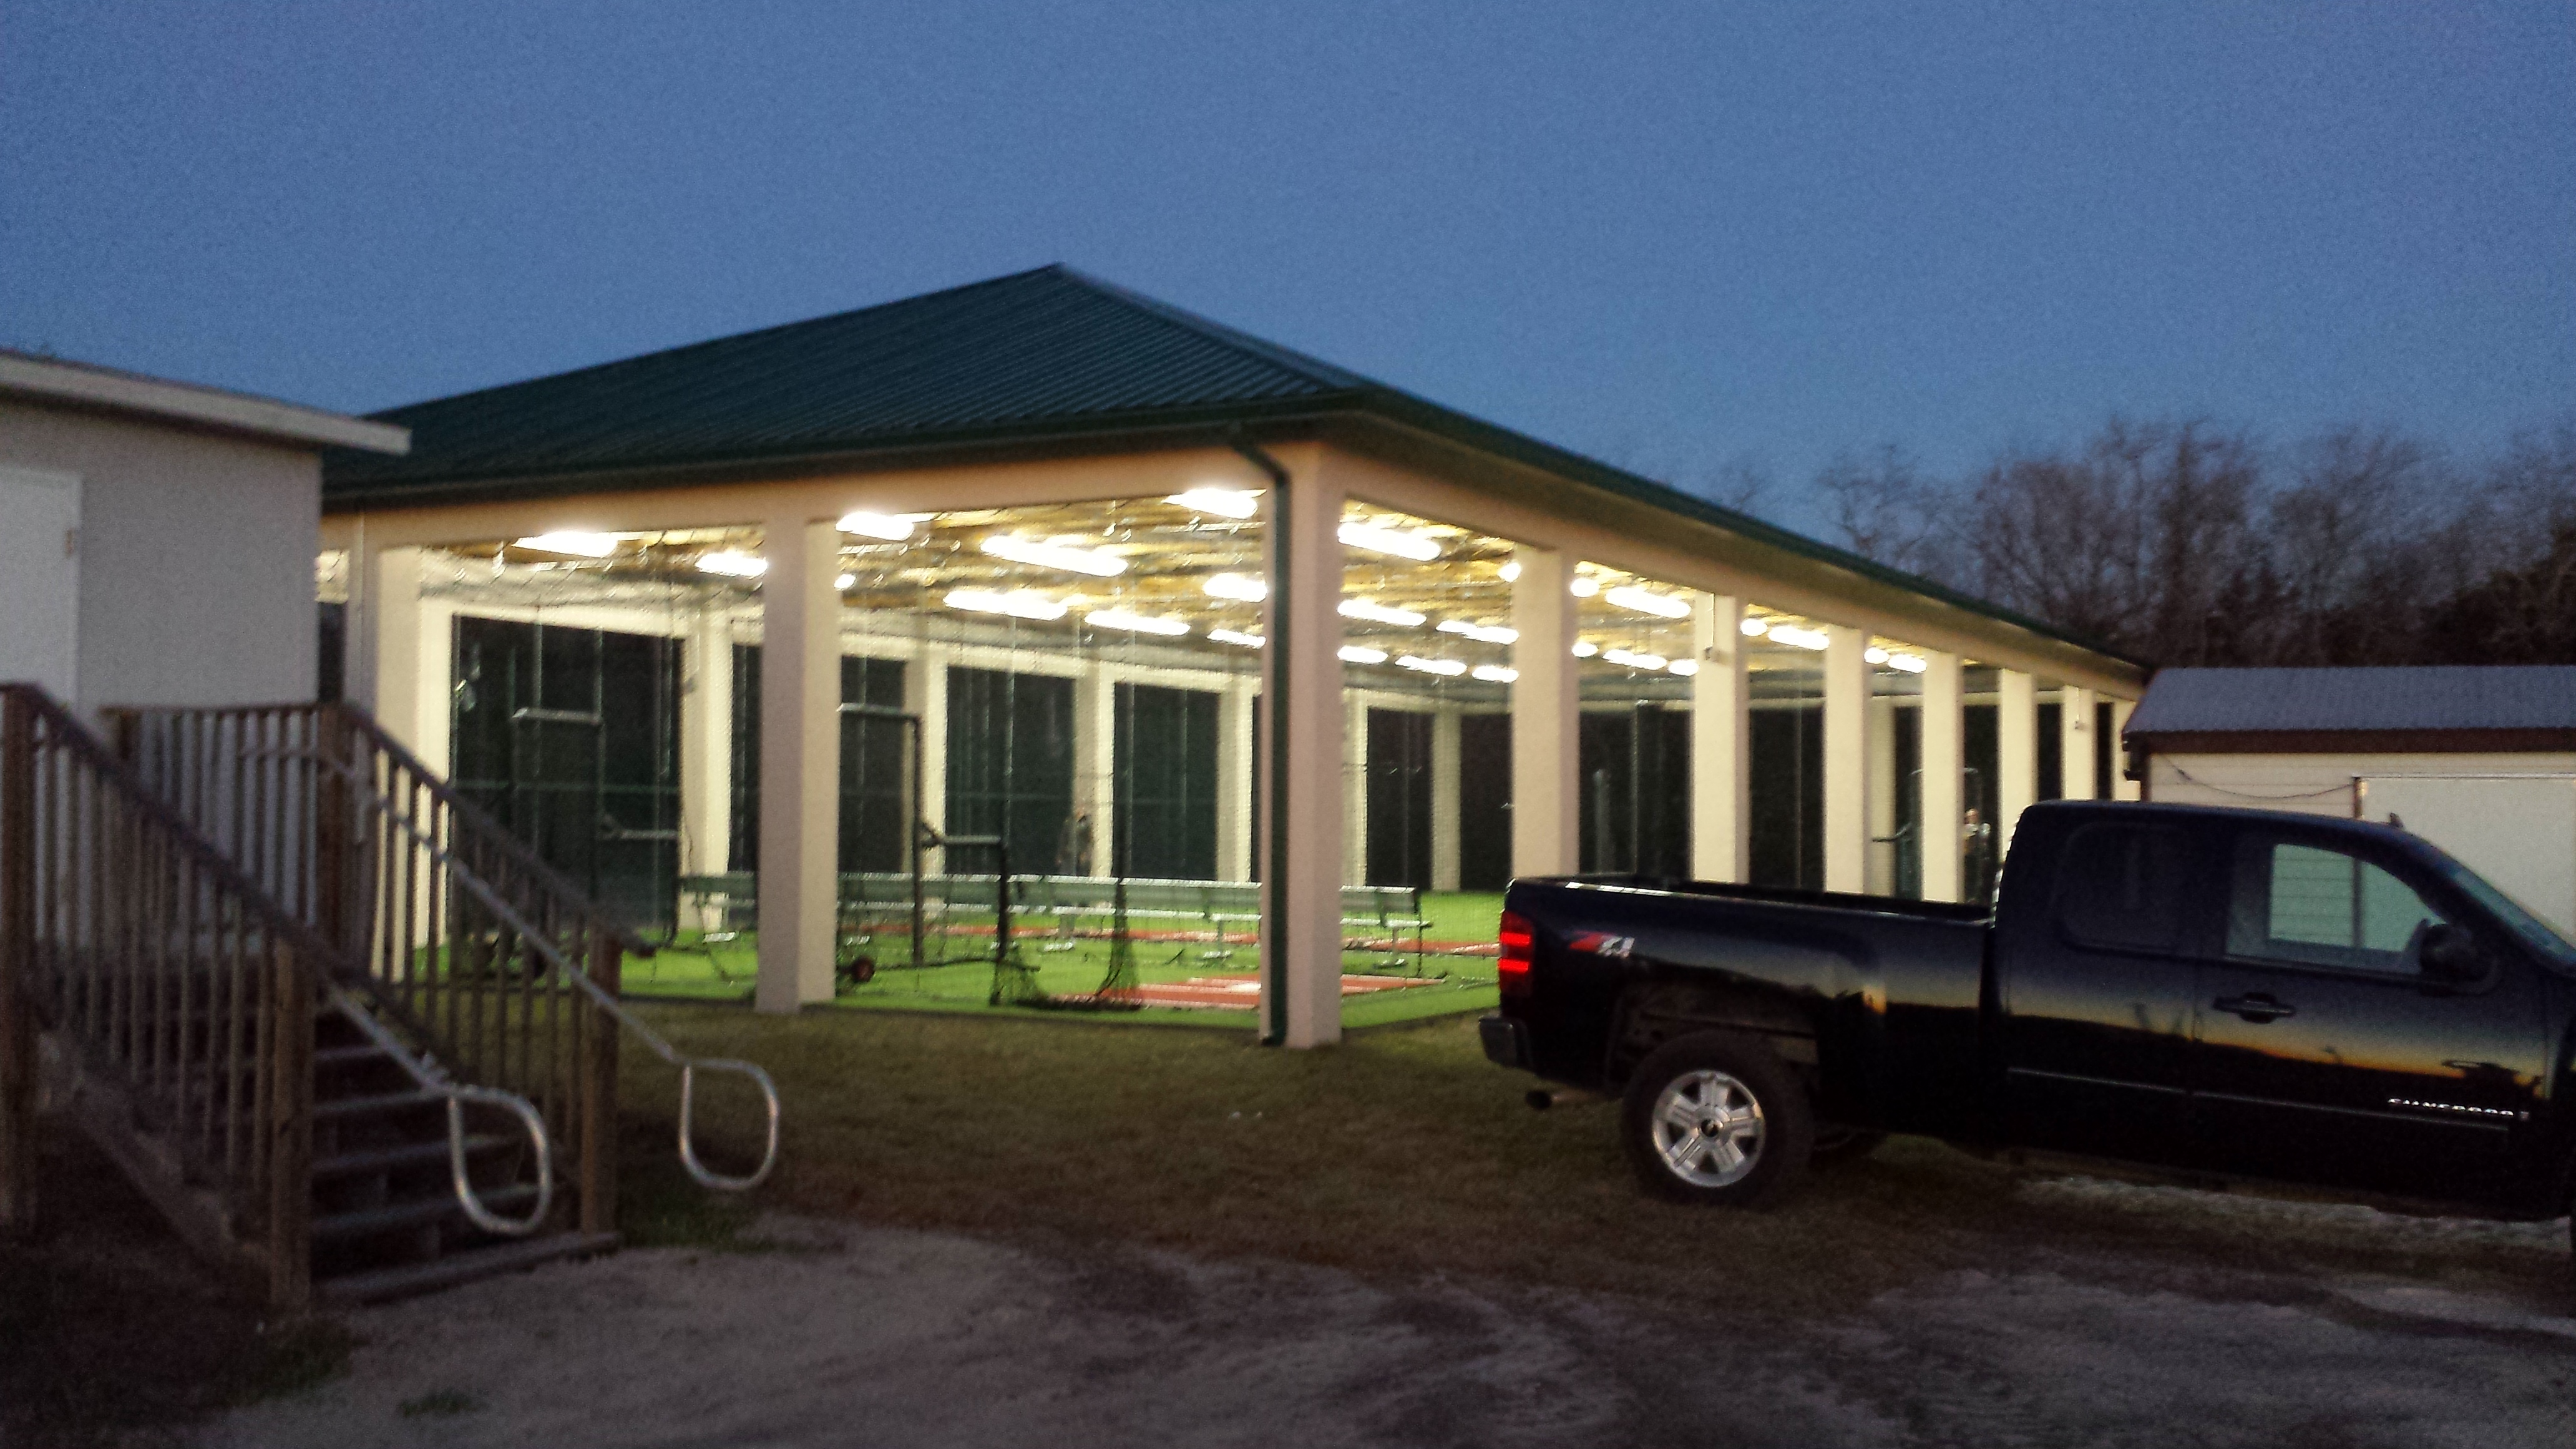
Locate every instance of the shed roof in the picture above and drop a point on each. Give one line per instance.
(1044, 357)
(60, 382)
(2329, 701)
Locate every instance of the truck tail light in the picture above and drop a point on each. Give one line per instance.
(1512, 971)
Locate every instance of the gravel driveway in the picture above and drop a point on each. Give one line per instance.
(837, 1334)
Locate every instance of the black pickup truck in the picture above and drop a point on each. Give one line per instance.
(2221, 993)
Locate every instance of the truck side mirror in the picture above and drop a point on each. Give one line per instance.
(2450, 953)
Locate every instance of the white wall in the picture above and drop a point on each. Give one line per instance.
(196, 557)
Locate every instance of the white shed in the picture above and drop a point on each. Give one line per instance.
(157, 539)
(2480, 760)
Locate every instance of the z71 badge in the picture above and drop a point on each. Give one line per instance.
(1598, 944)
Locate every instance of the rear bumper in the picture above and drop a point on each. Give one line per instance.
(1506, 1041)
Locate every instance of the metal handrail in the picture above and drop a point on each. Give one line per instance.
(545, 945)
(458, 1094)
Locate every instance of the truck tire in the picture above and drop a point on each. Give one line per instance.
(1717, 1120)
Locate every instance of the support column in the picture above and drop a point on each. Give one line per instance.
(434, 714)
(1234, 780)
(384, 677)
(925, 696)
(1355, 812)
(800, 764)
(1846, 759)
(2075, 745)
(706, 745)
(1546, 724)
(1301, 765)
(1095, 765)
(1945, 764)
(2122, 787)
(1721, 744)
(2016, 752)
(1444, 799)
(1883, 785)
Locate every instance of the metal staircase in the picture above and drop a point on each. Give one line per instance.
(351, 1037)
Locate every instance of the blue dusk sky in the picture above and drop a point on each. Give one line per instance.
(1680, 237)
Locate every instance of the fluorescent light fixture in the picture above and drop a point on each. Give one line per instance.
(1906, 663)
(893, 528)
(1450, 667)
(573, 545)
(1684, 667)
(1235, 636)
(1361, 654)
(1227, 502)
(1753, 628)
(1801, 638)
(1584, 586)
(1873, 655)
(1135, 623)
(1380, 614)
(1617, 656)
(1512, 571)
(1648, 661)
(1018, 603)
(733, 564)
(1390, 541)
(1495, 673)
(1585, 648)
(844, 581)
(1092, 561)
(1647, 601)
(1238, 587)
(1481, 633)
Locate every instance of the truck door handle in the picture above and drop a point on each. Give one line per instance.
(2256, 1008)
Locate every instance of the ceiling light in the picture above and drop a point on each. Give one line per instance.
(1390, 541)
(576, 545)
(1450, 667)
(1873, 655)
(1495, 673)
(1380, 614)
(733, 564)
(1907, 663)
(1684, 667)
(1481, 633)
(1648, 661)
(1361, 654)
(1585, 648)
(844, 581)
(1133, 623)
(1511, 571)
(1801, 638)
(1229, 502)
(1018, 603)
(1617, 656)
(1237, 587)
(1584, 586)
(1235, 636)
(892, 528)
(1753, 628)
(1092, 561)
(1647, 601)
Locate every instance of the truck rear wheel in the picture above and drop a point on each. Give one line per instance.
(1716, 1120)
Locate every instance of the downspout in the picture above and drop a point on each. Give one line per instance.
(1274, 704)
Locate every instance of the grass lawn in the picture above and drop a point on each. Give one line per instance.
(1398, 1151)
(723, 971)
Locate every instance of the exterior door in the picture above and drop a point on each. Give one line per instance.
(2099, 995)
(40, 580)
(2327, 1055)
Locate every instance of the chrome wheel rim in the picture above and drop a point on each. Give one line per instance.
(1708, 1129)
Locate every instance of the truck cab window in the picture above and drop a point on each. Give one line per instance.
(2321, 907)
(2121, 886)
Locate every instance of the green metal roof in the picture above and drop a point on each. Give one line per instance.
(1048, 355)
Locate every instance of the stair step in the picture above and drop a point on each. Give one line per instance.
(420, 1212)
(382, 1285)
(377, 1105)
(408, 1154)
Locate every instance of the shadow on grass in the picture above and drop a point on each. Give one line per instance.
(1398, 1151)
